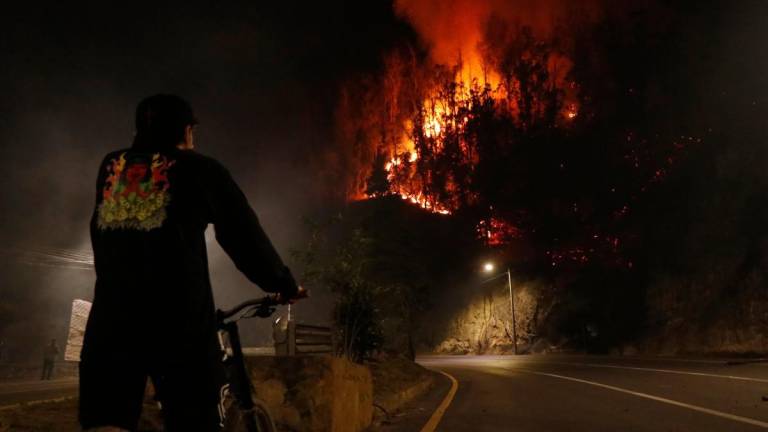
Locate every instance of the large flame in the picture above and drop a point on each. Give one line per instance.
(466, 128)
(469, 65)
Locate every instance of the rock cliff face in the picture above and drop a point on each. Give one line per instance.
(484, 326)
(722, 311)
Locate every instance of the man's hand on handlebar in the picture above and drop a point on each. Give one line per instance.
(300, 294)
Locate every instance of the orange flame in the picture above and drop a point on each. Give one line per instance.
(422, 118)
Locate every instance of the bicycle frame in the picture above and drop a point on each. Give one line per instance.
(232, 351)
(234, 364)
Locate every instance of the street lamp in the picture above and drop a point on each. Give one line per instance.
(488, 267)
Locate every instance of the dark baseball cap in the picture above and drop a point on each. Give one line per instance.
(162, 112)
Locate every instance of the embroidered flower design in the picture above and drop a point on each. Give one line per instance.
(135, 193)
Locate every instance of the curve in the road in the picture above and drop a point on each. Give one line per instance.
(434, 420)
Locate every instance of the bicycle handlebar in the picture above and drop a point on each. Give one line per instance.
(265, 307)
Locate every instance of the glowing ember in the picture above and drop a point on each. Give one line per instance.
(571, 112)
(496, 232)
(417, 198)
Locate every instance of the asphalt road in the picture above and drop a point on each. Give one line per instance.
(561, 393)
(587, 393)
(14, 392)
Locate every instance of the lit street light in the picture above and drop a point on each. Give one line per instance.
(488, 267)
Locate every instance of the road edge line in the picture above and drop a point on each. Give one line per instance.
(36, 402)
(667, 371)
(721, 414)
(434, 420)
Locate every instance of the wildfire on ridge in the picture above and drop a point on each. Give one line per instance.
(428, 123)
(487, 119)
(430, 118)
(429, 145)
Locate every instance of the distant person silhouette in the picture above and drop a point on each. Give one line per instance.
(49, 359)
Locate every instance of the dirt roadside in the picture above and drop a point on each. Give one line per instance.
(396, 382)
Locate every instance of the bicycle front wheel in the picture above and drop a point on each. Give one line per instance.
(256, 419)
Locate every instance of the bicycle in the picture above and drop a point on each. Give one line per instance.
(240, 409)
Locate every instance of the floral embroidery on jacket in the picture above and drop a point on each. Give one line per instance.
(135, 192)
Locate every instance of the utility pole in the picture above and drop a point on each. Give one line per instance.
(488, 267)
(512, 309)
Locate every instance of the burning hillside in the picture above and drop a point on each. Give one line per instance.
(427, 128)
(489, 116)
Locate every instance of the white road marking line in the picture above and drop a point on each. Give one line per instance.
(721, 414)
(672, 371)
(36, 402)
(670, 359)
(22, 391)
(438, 414)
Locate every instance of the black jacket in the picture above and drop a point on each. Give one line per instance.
(153, 292)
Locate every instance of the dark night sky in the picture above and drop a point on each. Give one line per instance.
(264, 80)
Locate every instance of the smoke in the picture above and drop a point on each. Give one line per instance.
(69, 94)
(455, 28)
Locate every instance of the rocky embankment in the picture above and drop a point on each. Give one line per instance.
(302, 393)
